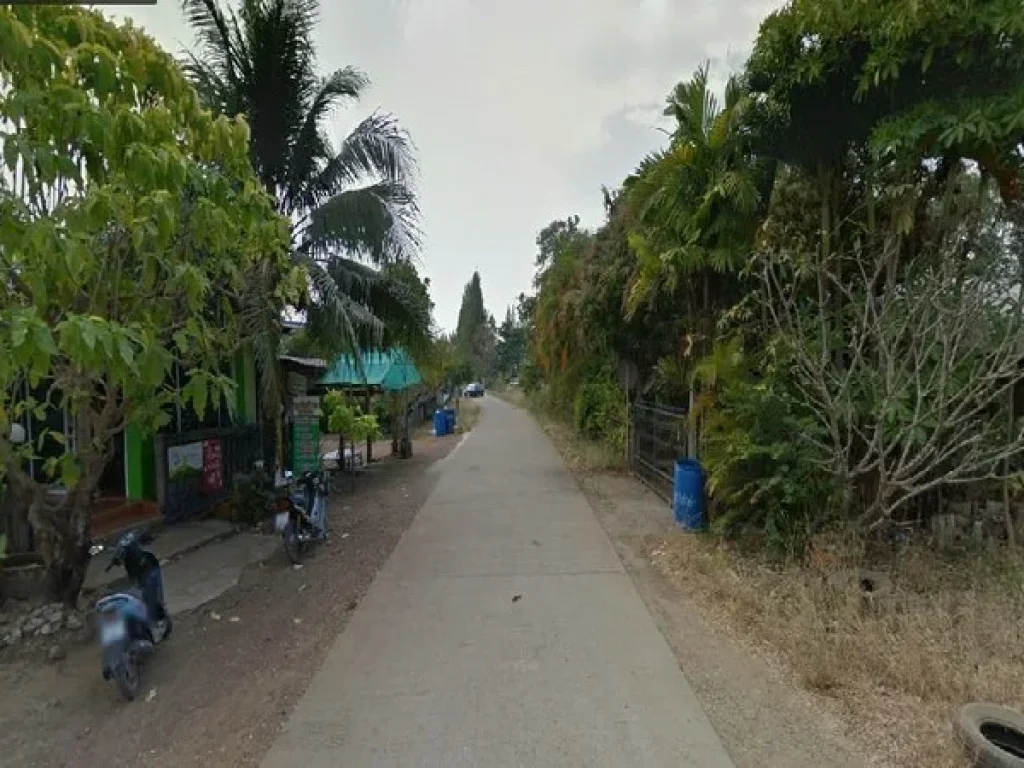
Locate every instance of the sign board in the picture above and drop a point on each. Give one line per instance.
(184, 459)
(306, 434)
(213, 466)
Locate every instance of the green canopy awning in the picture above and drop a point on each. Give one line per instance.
(391, 370)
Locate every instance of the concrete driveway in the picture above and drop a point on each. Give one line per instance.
(503, 631)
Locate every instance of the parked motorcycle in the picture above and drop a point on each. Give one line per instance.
(132, 623)
(302, 514)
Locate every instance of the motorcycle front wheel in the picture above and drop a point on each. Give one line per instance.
(127, 675)
(292, 545)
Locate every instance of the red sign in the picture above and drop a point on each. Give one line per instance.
(213, 467)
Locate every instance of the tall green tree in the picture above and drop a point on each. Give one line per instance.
(510, 349)
(130, 223)
(476, 331)
(697, 206)
(352, 205)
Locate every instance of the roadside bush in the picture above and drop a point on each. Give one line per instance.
(529, 378)
(599, 409)
(761, 474)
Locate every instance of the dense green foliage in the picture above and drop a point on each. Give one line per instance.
(510, 348)
(346, 419)
(131, 226)
(475, 333)
(826, 263)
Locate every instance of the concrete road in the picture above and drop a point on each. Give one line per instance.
(503, 631)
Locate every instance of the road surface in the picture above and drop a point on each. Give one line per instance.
(503, 631)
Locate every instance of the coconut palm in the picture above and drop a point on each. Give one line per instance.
(352, 205)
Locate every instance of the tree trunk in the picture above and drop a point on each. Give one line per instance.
(270, 442)
(1011, 531)
(369, 440)
(64, 543)
(65, 574)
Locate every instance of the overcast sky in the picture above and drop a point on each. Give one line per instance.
(520, 110)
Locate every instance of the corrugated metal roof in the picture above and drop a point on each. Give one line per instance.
(390, 369)
(304, 362)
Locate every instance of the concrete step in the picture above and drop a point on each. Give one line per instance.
(170, 543)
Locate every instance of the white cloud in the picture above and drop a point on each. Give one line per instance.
(520, 110)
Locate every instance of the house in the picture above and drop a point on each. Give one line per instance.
(173, 474)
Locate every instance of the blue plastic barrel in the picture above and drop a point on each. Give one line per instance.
(440, 423)
(688, 497)
(450, 417)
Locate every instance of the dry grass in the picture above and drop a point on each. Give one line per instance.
(513, 395)
(579, 454)
(582, 455)
(900, 661)
(468, 415)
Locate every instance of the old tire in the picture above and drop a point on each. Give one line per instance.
(993, 736)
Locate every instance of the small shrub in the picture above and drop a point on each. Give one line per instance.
(599, 409)
(253, 499)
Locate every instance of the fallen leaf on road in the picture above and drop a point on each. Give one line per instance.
(151, 695)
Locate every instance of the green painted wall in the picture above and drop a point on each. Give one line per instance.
(139, 464)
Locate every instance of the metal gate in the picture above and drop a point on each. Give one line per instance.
(657, 438)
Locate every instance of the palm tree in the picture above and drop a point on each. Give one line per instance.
(352, 207)
(697, 203)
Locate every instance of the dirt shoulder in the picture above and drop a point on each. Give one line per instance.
(762, 718)
(231, 673)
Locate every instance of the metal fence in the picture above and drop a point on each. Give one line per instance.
(657, 437)
(197, 469)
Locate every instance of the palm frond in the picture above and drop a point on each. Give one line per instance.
(216, 41)
(312, 150)
(335, 317)
(378, 222)
(378, 148)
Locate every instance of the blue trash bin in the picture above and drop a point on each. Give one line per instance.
(450, 417)
(440, 423)
(688, 495)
